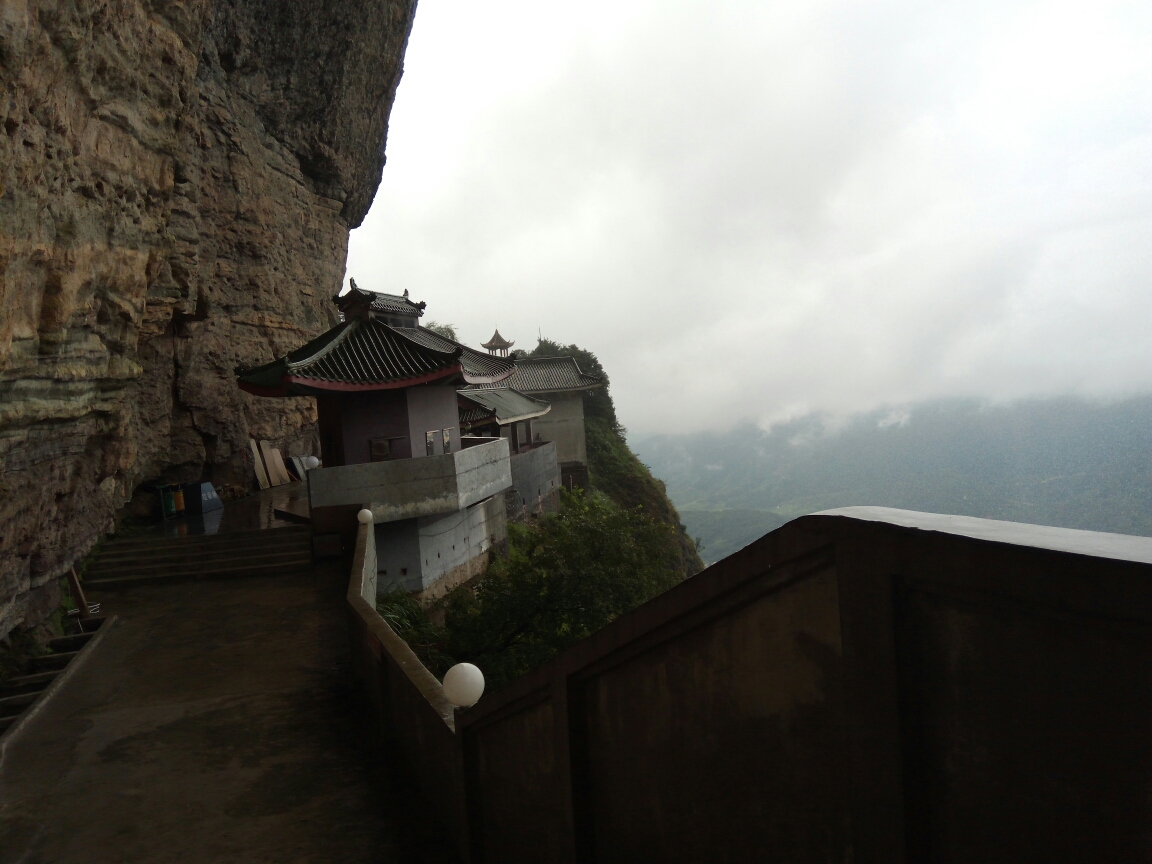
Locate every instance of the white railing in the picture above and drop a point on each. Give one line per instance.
(362, 599)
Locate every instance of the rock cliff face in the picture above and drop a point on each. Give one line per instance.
(178, 182)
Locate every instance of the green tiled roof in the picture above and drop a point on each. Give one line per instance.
(362, 354)
(505, 404)
(546, 375)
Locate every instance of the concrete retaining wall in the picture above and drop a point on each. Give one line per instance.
(409, 488)
(431, 555)
(536, 479)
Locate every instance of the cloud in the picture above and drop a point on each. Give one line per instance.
(750, 210)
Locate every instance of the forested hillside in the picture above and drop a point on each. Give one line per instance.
(612, 466)
(1065, 462)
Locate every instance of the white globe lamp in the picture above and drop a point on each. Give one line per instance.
(463, 685)
(365, 516)
(311, 462)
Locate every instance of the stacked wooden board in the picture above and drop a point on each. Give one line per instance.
(270, 467)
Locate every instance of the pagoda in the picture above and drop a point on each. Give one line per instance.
(497, 344)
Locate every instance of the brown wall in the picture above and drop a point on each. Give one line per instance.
(844, 689)
(348, 422)
(433, 409)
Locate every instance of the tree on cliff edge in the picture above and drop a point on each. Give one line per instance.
(612, 466)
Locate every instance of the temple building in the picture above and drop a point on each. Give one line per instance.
(508, 414)
(390, 441)
(396, 310)
(561, 382)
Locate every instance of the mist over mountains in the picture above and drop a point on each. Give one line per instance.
(1067, 462)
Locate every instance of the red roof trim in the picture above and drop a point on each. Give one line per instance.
(341, 387)
(262, 391)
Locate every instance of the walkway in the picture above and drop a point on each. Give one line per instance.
(215, 723)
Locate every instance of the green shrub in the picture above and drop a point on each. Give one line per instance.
(612, 466)
(563, 579)
(411, 623)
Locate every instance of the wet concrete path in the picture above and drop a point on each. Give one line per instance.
(215, 723)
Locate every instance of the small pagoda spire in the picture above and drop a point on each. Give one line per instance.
(497, 344)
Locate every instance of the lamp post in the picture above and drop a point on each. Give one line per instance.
(463, 685)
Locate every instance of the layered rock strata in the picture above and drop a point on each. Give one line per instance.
(177, 183)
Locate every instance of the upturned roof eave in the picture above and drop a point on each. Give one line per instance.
(345, 327)
(473, 397)
(488, 379)
(523, 389)
(301, 385)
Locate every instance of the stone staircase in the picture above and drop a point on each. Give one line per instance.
(17, 693)
(148, 560)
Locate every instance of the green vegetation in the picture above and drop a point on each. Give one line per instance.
(566, 575)
(612, 466)
(563, 579)
(448, 331)
(409, 620)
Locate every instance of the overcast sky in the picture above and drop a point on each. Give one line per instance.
(751, 210)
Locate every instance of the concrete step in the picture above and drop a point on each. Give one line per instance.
(91, 625)
(196, 563)
(13, 706)
(127, 580)
(230, 539)
(195, 567)
(47, 662)
(69, 644)
(179, 550)
(33, 683)
(247, 540)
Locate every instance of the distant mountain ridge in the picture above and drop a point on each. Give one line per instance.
(1067, 462)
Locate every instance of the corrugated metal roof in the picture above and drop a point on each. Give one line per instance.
(547, 375)
(362, 353)
(479, 368)
(507, 405)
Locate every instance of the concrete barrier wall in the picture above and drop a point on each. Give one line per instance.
(536, 478)
(482, 471)
(862, 685)
(409, 488)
